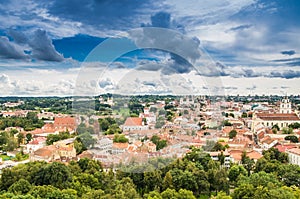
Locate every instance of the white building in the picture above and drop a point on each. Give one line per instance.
(285, 106)
(294, 156)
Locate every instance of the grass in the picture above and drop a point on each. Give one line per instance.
(5, 157)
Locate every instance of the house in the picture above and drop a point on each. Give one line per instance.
(134, 123)
(35, 144)
(118, 148)
(104, 144)
(227, 158)
(237, 155)
(16, 113)
(65, 124)
(294, 156)
(60, 151)
(150, 117)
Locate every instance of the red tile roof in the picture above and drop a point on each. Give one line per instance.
(278, 116)
(65, 122)
(294, 151)
(133, 121)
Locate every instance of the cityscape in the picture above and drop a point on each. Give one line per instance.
(149, 99)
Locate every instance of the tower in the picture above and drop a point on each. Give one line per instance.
(285, 106)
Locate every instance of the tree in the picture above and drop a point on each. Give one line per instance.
(168, 181)
(287, 131)
(120, 138)
(55, 174)
(244, 115)
(275, 154)
(235, 171)
(28, 137)
(218, 147)
(87, 140)
(232, 133)
(20, 137)
(113, 129)
(20, 187)
(160, 121)
(227, 123)
(276, 127)
(292, 138)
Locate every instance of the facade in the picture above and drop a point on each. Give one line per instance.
(285, 106)
(270, 119)
(294, 156)
(283, 119)
(59, 151)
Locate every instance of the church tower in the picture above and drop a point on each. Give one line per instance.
(285, 106)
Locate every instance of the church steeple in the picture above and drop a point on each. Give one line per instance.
(285, 106)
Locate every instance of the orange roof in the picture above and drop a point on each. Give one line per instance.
(65, 122)
(46, 151)
(284, 148)
(120, 145)
(294, 151)
(133, 121)
(254, 155)
(237, 154)
(278, 116)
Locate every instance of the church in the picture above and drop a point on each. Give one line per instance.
(283, 119)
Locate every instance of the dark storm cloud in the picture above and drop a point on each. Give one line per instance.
(10, 50)
(108, 14)
(42, 47)
(288, 52)
(37, 46)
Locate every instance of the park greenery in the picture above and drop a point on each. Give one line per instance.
(194, 176)
(30, 122)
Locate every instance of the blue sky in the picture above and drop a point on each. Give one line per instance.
(249, 46)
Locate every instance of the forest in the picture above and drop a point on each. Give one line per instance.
(194, 176)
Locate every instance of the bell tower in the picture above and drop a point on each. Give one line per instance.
(285, 106)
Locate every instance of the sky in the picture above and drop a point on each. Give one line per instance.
(73, 47)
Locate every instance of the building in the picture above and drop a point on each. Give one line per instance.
(134, 123)
(271, 119)
(227, 158)
(35, 144)
(283, 119)
(294, 156)
(60, 151)
(65, 124)
(285, 106)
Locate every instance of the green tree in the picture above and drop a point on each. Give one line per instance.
(232, 133)
(55, 174)
(20, 187)
(20, 137)
(235, 171)
(28, 137)
(120, 138)
(292, 138)
(287, 130)
(168, 181)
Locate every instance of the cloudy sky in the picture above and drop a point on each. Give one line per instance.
(88, 47)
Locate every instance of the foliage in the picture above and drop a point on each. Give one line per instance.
(160, 121)
(51, 138)
(30, 122)
(158, 142)
(292, 138)
(232, 133)
(287, 130)
(226, 123)
(192, 176)
(120, 138)
(295, 125)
